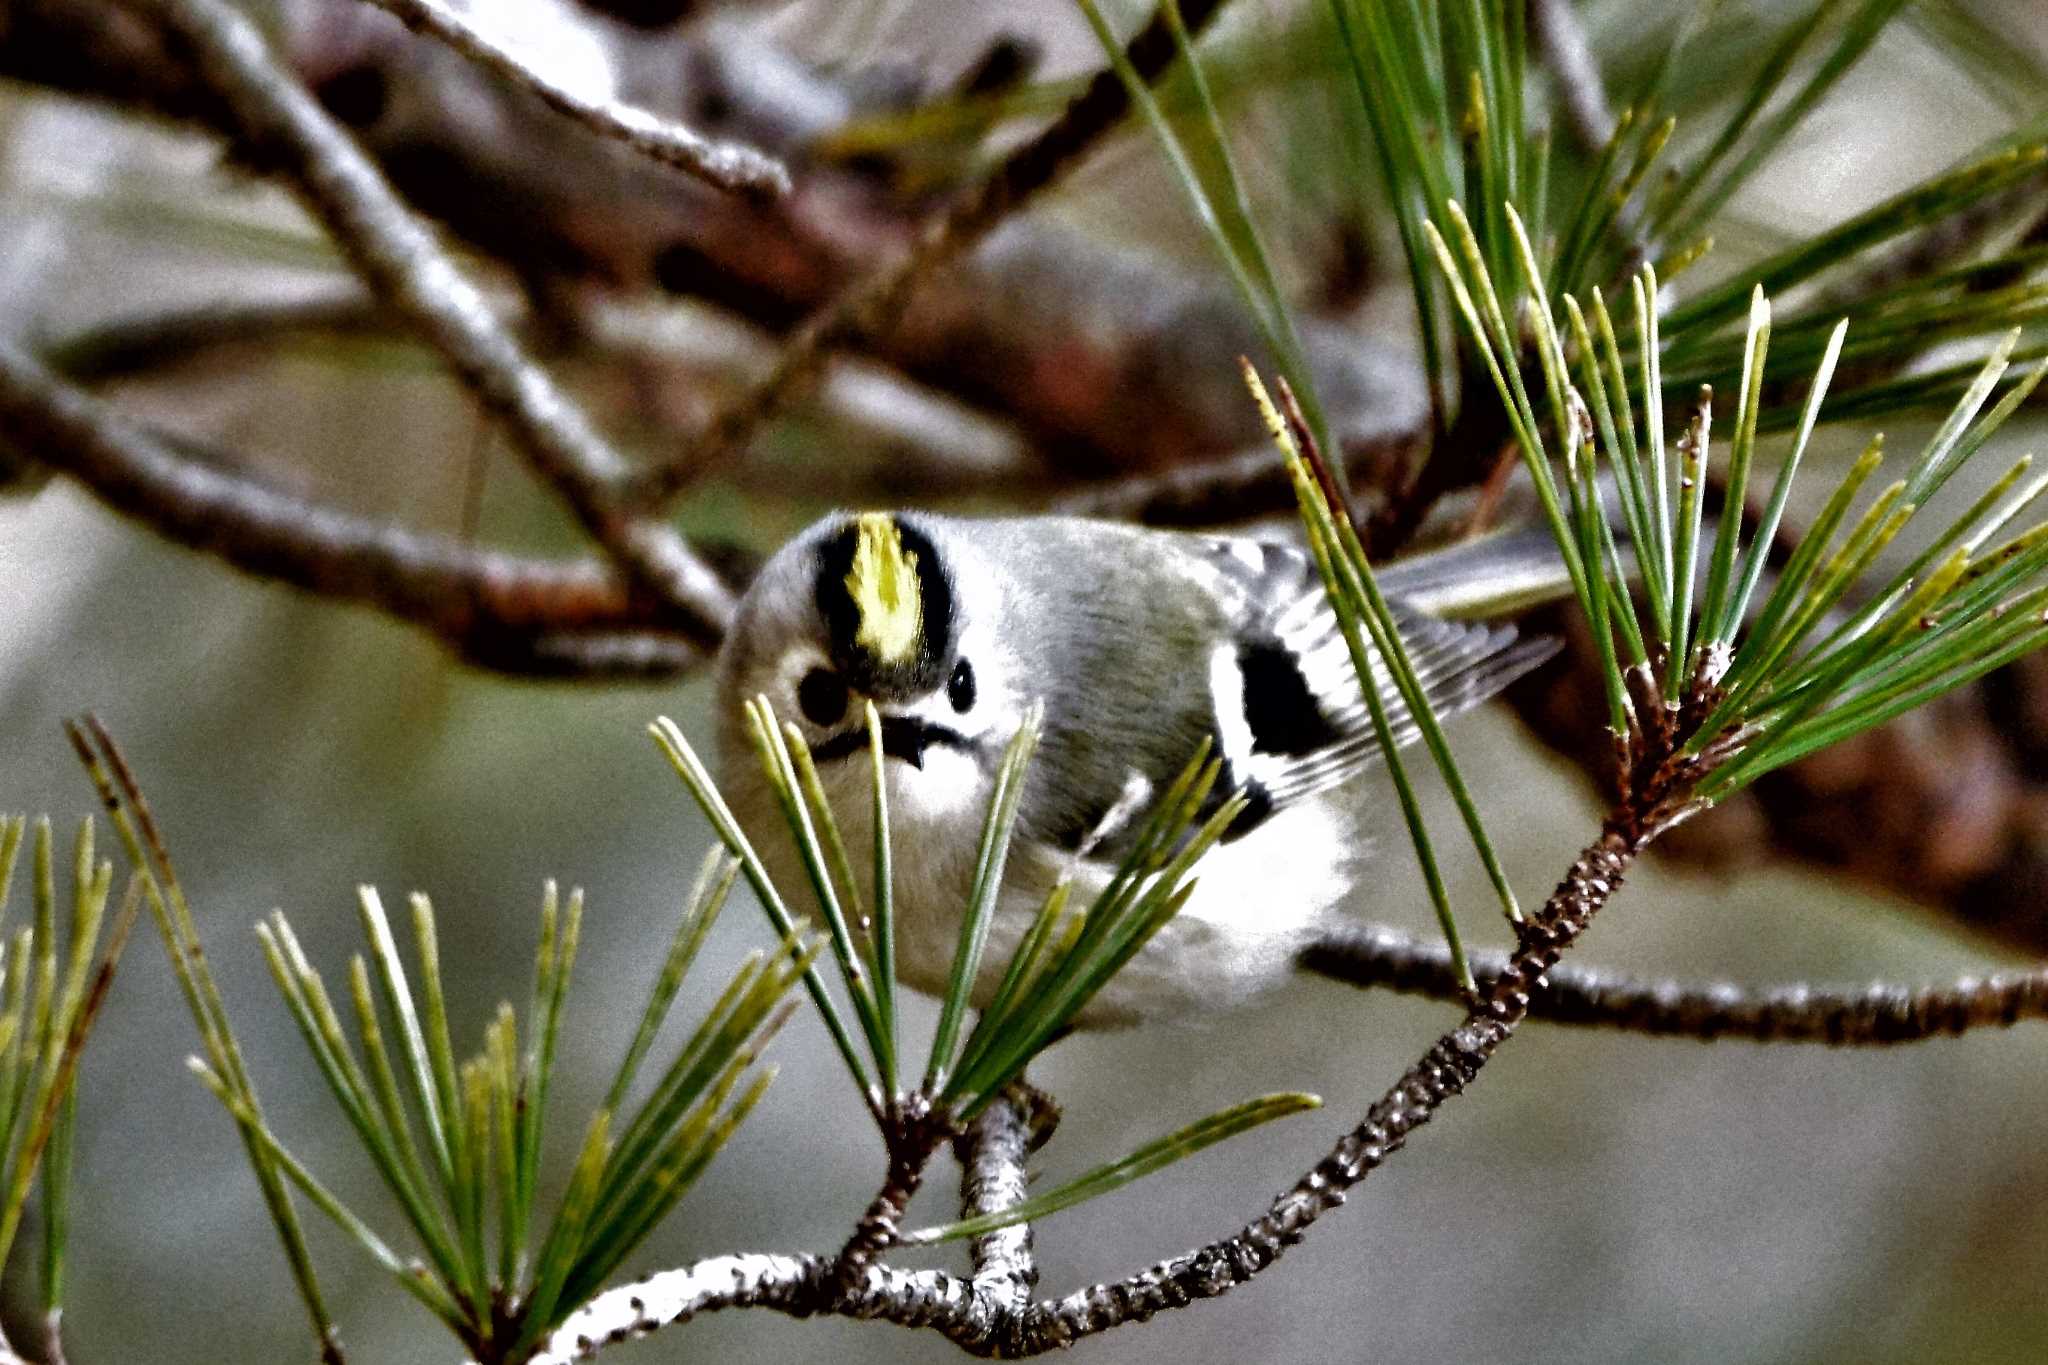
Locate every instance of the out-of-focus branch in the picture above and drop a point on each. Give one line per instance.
(1214, 492)
(519, 615)
(872, 304)
(100, 50)
(1110, 360)
(731, 166)
(400, 261)
(896, 435)
(1371, 955)
(1561, 42)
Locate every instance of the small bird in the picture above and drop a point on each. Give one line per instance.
(1138, 644)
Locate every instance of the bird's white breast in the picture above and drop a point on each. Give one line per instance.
(1256, 901)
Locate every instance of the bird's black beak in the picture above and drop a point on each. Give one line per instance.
(904, 737)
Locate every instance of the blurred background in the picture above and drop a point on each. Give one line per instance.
(1597, 1198)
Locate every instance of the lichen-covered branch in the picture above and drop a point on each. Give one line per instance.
(993, 1177)
(1571, 993)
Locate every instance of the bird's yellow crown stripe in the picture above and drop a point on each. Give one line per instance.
(884, 587)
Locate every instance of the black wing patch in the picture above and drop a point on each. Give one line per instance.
(1291, 721)
(1284, 713)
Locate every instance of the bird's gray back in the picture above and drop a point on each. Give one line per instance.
(1124, 621)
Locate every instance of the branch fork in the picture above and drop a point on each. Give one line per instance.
(913, 1129)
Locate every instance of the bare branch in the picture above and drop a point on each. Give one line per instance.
(872, 304)
(523, 615)
(403, 265)
(731, 166)
(790, 1283)
(1875, 1015)
(798, 1285)
(1211, 493)
(891, 432)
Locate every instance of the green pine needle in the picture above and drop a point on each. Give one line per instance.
(1153, 1156)
(481, 1272)
(49, 1002)
(668, 736)
(990, 861)
(1791, 676)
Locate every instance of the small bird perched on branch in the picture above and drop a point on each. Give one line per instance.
(1138, 644)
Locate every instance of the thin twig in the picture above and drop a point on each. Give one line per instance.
(1874, 1015)
(1210, 493)
(1561, 42)
(873, 303)
(521, 615)
(399, 260)
(947, 446)
(731, 166)
(154, 341)
(914, 1131)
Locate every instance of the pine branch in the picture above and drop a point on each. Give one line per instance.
(1871, 1016)
(1439, 1075)
(983, 1315)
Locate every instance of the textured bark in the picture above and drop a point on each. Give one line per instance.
(1574, 993)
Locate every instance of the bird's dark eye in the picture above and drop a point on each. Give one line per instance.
(822, 694)
(960, 687)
